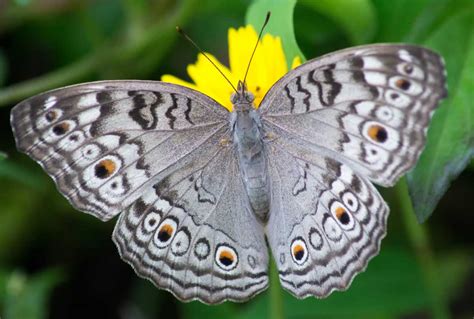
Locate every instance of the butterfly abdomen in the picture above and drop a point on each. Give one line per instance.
(250, 148)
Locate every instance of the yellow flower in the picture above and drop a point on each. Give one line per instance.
(268, 66)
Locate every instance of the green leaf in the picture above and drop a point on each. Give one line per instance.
(27, 297)
(19, 172)
(396, 18)
(360, 27)
(391, 286)
(450, 143)
(280, 24)
(197, 310)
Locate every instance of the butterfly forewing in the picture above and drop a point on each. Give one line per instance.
(368, 106)
(104, 142)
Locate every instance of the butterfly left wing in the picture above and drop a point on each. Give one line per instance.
(366, 106)
(93, 138)
(194, 234)
(326, 222)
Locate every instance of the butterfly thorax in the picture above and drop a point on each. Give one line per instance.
(248, 141)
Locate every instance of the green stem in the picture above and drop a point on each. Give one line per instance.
(132, 50)
(419, 238)
(276, 297)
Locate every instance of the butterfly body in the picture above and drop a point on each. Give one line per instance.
(249, 143)
(198, 215)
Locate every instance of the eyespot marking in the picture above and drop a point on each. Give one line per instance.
(315, 239)
(166, 232)
(299, 251)
(377, 133)
(181, 241)
(408, 68)
(342, 215)
(202, 248)
(61, 128)
(226, 257)
(350, 201)
(51, 116)
(151, 221)
(403, 84)
(105, 168)
(252, 261)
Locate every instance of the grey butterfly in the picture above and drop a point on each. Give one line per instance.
(203, 191)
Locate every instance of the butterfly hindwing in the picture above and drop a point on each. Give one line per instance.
(367, 106)
(194, 234)
(326, 222)
(105, 142)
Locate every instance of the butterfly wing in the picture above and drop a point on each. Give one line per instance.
(155, 151)
(367, 106)
(326, 222)
(194, 233)
(334, 124)
(92, 138)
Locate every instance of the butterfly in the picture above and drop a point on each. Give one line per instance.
(203, 193)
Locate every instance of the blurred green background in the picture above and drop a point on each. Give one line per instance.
(59, 263)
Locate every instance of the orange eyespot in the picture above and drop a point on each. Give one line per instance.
(61, 128)
(105, 168)
(298, 252)
(377, 133)
(165, 232)
(342, 215)
(226, 258)
(402, 84)
(51, 116)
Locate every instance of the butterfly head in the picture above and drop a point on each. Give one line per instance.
(242, 99)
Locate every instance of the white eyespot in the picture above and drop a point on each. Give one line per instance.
(397, 98)
(151, 222)
(226, 257)
(315, 239)
(181, 242)
(350, 201)
(332, 229)
(202, 248)
(384, 113)
(90, 152)
(299, 251)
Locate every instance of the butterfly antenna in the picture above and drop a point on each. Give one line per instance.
(181, 31)
(256, 44)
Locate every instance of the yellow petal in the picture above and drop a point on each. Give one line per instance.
(241, 44)
(210, 81)
(172, 79)
(296, 62)
(267, 67)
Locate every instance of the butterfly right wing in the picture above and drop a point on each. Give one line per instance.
(368, 107)
(194, 234)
